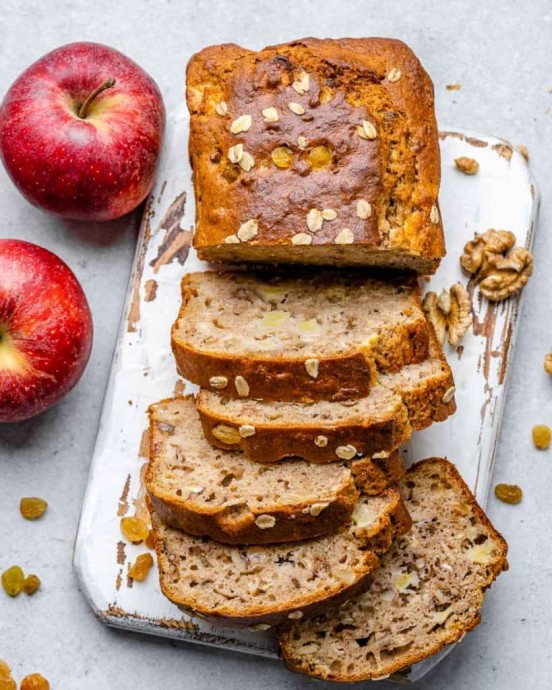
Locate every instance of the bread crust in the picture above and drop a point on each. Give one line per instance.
(340, 377)
(294, 521)
(416, 407)
(448, 635)
(393, 522)
(349, 82)
(281, 440)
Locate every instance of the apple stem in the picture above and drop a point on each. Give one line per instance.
(84, 107)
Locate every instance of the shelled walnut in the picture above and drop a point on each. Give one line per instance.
(500, 269)
(450, 311)
(469, 166)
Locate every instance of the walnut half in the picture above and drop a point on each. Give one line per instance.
(450, 311)
(500, 269)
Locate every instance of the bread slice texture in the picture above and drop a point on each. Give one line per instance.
(223, 495)
(296, 336)
(259, 586)
(323, 432)
(319, 125)
(427, 593)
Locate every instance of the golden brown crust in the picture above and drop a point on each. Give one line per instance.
(373, 475)
(228, 527)
(340, 378)
(275, 441)
(417, 404)
(392, 524)
(292, 523)
(347, 376)
(449, 635)
(236, 524)
(348, 83)
(428, 404)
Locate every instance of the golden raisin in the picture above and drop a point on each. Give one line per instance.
(320, 157)
(509, 493)
(7, 683)
(13, 580)
(32, 508)
(140, 568)
(282, 156)
(542, 434)
(35, 682)
(134, 529)
(548, 364)
(31, 585)
(150, 541)
(6, 680)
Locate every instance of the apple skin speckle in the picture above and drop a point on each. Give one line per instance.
(95, 168)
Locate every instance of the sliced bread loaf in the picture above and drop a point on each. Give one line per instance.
(296, 337)
(259, 586)
(223, 495)
(427, 593)
(268, 431)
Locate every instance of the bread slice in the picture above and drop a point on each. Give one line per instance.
(223, 495)
(259, 586)
(297, 336)
(315, 125)
(322, 432)
(427, 593)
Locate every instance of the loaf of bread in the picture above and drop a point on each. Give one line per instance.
(264, 585)
(316, 151)
(223, 495)
(300, 337)
(427, 593)
(322, 432)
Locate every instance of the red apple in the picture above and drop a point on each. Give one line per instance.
(81, 131)
(45, 330)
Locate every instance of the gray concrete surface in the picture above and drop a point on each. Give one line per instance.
(500, 53)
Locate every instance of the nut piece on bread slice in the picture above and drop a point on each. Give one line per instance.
(297, 336)
(322, 432)
(338, 161)
(427, 593)
(223, 495)
(264, 585)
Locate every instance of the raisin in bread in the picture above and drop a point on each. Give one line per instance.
(427, 593)
(315, 151)
(322, 431)
(297, 336)
(223, 495)
(263, 585)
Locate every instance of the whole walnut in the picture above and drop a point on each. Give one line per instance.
(498, 268)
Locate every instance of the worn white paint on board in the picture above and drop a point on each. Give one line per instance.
(501, 195)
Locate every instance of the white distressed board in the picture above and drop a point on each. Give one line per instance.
(501, 195)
